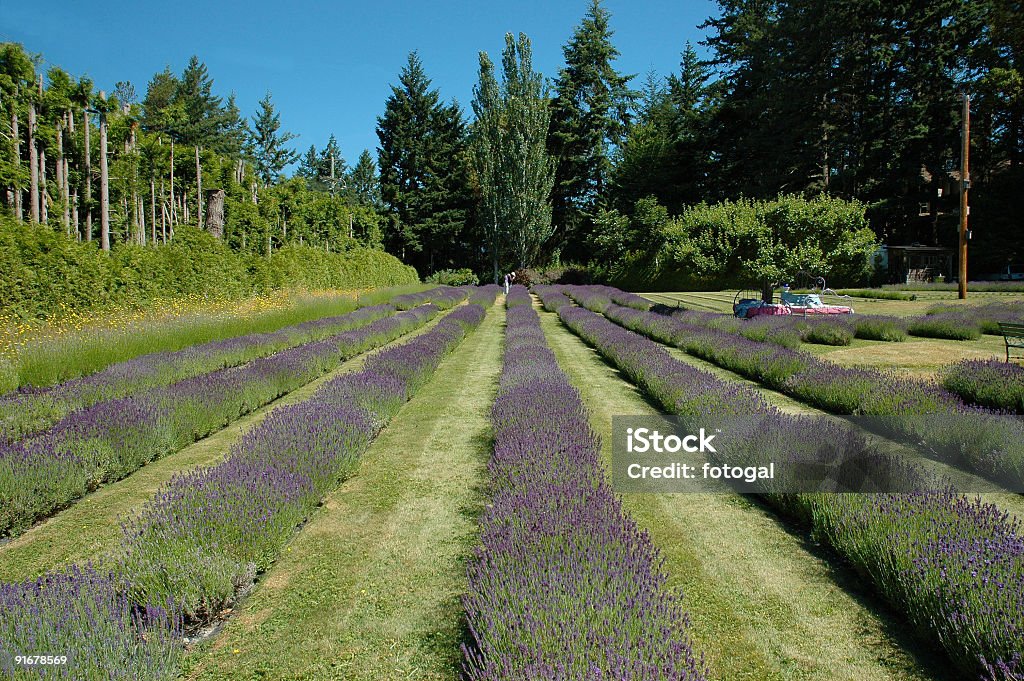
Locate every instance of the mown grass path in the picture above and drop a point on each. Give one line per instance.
(765, 602)
(91, 527)
(971, 484)
(370, 588)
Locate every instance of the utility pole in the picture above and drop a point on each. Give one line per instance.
(965, 184)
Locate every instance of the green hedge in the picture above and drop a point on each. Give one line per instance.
(44, 273)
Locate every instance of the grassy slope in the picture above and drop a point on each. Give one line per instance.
(370, 588)
(91, 527)
(766, 603)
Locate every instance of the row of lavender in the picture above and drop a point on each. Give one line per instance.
(484, 295)
(966, 322)
(785, 330)
(111, 439)
(28, 411)
(789, 330)
(953, 567)
(207, 534)
(990, 383)
(983, 441)
(564, 585)
(444, 297)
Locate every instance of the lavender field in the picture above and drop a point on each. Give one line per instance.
(433, 497)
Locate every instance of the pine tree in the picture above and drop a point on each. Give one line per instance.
(363, 180)
(422, 171)
(331, 164)
(309, 164)
(514, 171)
(589, 118)
(234, 131)
(160, 112)
(268, 142)
(203, 119)
(666, 151)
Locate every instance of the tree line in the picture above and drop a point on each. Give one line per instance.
(112, 167)
(851, 99)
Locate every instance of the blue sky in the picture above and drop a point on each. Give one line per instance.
(329, 64)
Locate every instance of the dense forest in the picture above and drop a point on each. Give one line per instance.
(855, 100)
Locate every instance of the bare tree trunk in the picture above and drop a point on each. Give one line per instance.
(140, 207)
(138, 213)
(33, 161)
(104, 181)
(215, 212)
(43, 207)
(199, 192)
(88, 176)
(74, 216)
(69, 212)
(19, 211)
(62, 180)
(164, 218)
(172, 186)
(67, 197)
(152, 209)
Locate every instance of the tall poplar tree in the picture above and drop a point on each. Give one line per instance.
(510, 157)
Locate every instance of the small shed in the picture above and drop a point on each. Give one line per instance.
(916, 263)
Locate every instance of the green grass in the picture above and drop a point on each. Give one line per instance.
(46, 357)
(90, 528)
(766, 603)
(721, 301)
(919, 357)
(370, 588)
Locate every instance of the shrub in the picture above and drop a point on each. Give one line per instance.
(463, 277)
(722, 245)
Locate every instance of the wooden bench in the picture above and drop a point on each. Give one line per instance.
(1013, 335)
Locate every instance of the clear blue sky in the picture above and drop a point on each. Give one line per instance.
(329, 64)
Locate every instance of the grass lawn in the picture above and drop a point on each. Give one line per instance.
(721, 301)
(766, 603)
(369, 589)
(921, 357)
(91, 527)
